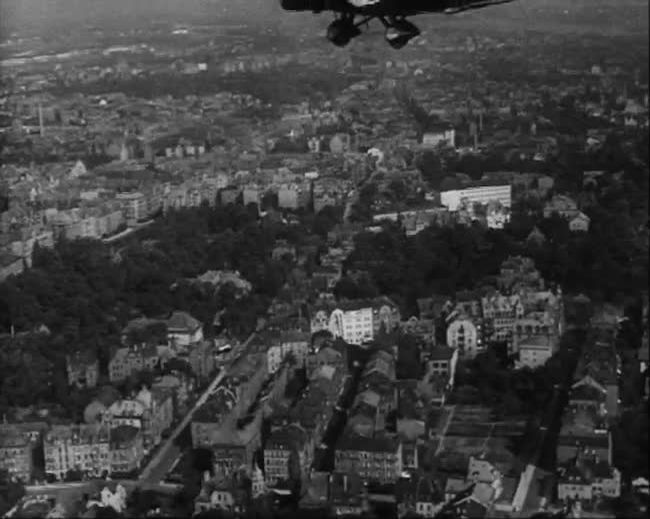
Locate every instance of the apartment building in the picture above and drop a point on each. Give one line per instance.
(501, 311)
(16, 454)
(356, 321)
(288, 455)
(463, 334)
(376, 459)
(126, 449)
(84, 448)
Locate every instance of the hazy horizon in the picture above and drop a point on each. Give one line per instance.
(42, 16)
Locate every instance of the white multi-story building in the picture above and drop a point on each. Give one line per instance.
(463, 334)
(481, 195)
(442, 135)
(357, 321)
(354, 326)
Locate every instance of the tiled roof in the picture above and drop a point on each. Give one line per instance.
(182, 322)
(353, 442)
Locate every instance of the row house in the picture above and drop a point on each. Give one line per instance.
(19, 441)
(72, 225)
(82, 369)
(288, 455)
(84, 448)
(376, 459)
(16, 454)
(587, 478)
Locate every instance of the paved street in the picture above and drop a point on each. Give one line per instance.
(443, 433)
(168, 452)
(543, 460)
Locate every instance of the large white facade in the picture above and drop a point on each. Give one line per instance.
(482, 195)
(462, 334)
(354, 326)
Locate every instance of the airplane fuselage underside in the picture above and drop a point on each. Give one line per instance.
(391, 13)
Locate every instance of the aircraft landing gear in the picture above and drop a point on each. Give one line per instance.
(399, 31)
(342, 30)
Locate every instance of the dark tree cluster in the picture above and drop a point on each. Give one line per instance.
(85, 293)
(487, 380)
(605, 263)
